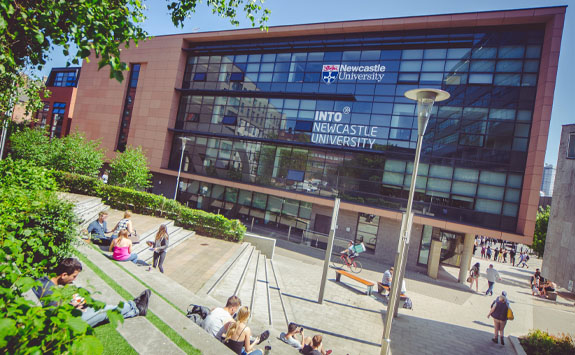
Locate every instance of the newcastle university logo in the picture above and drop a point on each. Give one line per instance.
(329, 73)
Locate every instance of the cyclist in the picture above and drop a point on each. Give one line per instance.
(349, 253)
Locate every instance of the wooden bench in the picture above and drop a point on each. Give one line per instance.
(369, 284)
(552, 296)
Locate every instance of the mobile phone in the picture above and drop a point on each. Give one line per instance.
(300, 329)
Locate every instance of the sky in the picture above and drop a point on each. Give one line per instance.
(292, 12)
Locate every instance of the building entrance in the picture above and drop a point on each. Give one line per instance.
(451, 248)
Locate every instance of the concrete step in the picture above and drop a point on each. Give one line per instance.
(282, 313)
(175, 240)
(163, 286)
(233, 278)
(219, 275)
(154, 341)
(151, 236)
(247, 286)
(88, 216)
(261, 312)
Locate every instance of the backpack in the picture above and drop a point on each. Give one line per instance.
(527, 257)
(408, 304)
(197, 313)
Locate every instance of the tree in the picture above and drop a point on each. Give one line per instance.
(72, 154)
(541, 230)
(29, 29)
(130, 169)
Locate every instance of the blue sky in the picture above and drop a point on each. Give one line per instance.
(289, 12)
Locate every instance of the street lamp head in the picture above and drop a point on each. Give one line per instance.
(425, 99)
(184, 141)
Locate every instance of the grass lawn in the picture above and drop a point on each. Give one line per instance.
(114, 343)
(152, 318)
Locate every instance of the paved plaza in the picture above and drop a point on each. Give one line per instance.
(447, 318)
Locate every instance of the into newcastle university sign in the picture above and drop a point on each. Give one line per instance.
(330, 72)
(328, 129)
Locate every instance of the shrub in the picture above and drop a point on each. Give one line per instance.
(539, 342)
(130, 169)
(207, 224)
(73, 153)
(37, 230)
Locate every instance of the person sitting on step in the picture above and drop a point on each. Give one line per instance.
(237, 335)
(314, 346)
(99, 228)
(65, 273)
(289, 337)
(124, 223)
(122, 248)
(218, 317)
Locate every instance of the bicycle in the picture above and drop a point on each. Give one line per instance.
(354, 266)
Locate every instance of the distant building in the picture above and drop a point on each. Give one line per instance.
(548, 180)
(559, 257)
(56, 115)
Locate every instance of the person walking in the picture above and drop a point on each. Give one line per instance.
(488, 252)
(499, 313)
(524, 261)
(491, 275)
(483, 252)
(160, 244)
(512, 256)
(474, 275)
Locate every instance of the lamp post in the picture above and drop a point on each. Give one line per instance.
(425, 99)
(184, 140)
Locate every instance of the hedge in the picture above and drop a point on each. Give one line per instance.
(539, 342)
(204, 223)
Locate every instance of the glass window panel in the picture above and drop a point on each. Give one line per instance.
(456, 79)
(492, 192)
(531, 66)
(512, 195)
(510, 209)
(269, 57)
(507, 80)
(434, 53)
(408, 77)
(351, 56)
(433, 65)
(523, 115)
(290, 207)
(456, 66)
(397, 166)
(307, 105)
(305, 210)
(464, 174)
(449, 112)
(425, 245)
(370, 55)
(231, 194)
(515, 51)
(274, 204)
(480, 78)
(475, 113)
(488, 206)
(259, 200)
(522, 130)
(529, 80)
(315, 57)
(482, 66)
(441, 171)
(265, 77)
(471, 140)
(410, 66)
(431, 78)
(513, 66)
(440, 185)
(492, 178)
(412, 54)
(501, 114)
(571, 146)
(392, 178)
(404, 109)
(520, 144)
(533, 51)
(514, 180)
(484, 52)
(218, 192)
(245, 198)
(458, 53)
(422, 170)
(463, 188)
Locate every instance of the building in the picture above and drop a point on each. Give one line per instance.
(277, 124)
(548, 180)
(559, 257)
(56, 115)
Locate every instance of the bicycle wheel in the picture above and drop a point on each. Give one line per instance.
(355, 267)
(337, 262)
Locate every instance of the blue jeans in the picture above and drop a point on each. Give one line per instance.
(95, 317)
(255, 352)
(133, 258)
(490, 289)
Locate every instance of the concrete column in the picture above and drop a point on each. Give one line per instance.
(465, 264)
(434, 258)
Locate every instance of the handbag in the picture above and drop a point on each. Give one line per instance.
(134, 237)
(510, 315)
(469, 279)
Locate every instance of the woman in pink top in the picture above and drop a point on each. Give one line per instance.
(122, 248)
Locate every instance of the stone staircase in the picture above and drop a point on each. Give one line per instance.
(246, 273)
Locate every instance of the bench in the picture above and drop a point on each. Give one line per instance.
(552, 296)
(369, 284)
(381, 287)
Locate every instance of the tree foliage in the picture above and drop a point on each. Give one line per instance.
(540, 234)
(73, 153)
(37, 230)
(130, 169)
(29, 29)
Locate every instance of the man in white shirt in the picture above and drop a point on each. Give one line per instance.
(387, 277)
(492, 275)
(218, 317)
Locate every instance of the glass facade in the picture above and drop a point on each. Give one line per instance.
(128, 107)
(326, 115)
